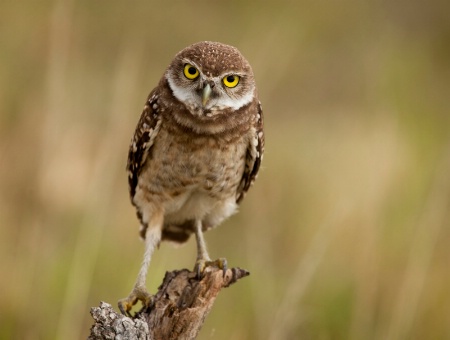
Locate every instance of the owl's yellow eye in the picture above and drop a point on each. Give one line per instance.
(190, 72)
(231, 81)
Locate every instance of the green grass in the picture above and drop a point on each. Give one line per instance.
(346, 231)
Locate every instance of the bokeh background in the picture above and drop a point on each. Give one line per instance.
(346, 232)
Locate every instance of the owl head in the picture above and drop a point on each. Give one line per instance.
(210, 78)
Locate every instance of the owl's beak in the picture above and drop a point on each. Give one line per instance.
(206, 94)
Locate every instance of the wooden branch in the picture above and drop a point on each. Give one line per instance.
(179, 310)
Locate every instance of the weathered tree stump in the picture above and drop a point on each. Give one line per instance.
(180, 307)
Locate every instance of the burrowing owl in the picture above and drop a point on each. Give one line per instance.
(196, 150)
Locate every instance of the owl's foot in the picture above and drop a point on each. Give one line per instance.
(201, 264)
(139, 293)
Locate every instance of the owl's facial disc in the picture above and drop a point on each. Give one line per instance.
(211, 84)
(207, 96)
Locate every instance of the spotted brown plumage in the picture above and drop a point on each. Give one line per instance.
(196, 150)
(142, 141)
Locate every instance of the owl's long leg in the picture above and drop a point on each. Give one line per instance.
(203, 259)
(139, 292)
(202, 252)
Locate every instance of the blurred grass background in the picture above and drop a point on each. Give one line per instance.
(346, 232)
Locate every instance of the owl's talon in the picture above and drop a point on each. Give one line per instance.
(137, 294)
(201, 264)
(224, 266)
(199, 268)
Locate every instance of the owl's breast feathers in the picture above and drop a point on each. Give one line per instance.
(236, 147)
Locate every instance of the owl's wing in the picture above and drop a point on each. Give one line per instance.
(253, 157)
(143, 140)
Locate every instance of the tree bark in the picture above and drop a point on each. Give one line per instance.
(180, 307)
